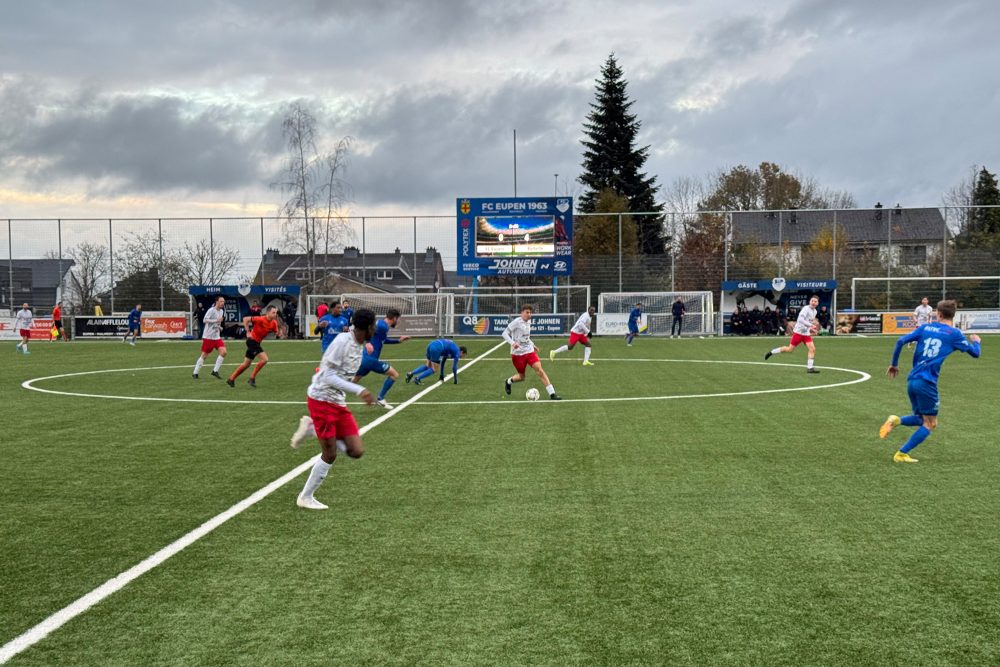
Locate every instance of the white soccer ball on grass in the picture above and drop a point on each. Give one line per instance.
(532, 394)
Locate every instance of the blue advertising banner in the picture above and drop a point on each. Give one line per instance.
(515, 236)
(493, 325)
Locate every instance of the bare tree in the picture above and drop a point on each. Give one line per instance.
(202, 264)
(958, 199)
(337, 190)
(90, 275)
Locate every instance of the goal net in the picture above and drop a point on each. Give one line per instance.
(422, 314)
(613, 309)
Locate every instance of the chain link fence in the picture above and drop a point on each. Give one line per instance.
(117, 263)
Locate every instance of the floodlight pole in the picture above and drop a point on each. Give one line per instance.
(515, 162)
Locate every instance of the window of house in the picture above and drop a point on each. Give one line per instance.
(383, 275)
(300, 275)
(860, 254)
(913, 255)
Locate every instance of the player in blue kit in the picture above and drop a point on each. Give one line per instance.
(633, 323)
(438, 352)
(332, 324)
(935, 341)
(370, 362)
(346, 310)
(134, 324)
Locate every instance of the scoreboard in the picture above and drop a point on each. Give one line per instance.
(515, 236)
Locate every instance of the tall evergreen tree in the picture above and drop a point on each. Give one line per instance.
(612, 161)
(984, 223)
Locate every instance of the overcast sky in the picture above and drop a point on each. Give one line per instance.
(113, 109)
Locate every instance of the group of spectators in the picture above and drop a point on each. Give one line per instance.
(773, 321)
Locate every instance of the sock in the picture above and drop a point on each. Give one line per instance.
(918, 436)
(427, 372)
(238, 372)
(218, 363)
(418, 370)
(549, 388)
(316, 477)
(510, 380)
(256, 369)
(341, 446)
(809, 362)
(197, 365)
(386, 386)
(586, 354)
(911, 420)
(560, 350)
(776, 350)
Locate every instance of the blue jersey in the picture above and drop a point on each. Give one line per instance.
(935, 341)
(443, 349)
(347, 314)
(380, 338)
(334, 326)
(633, 317)
(134, 317)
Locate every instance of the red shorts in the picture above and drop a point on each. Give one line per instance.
(799, 338)
(207, 345)
(331, 421)
(25, 333)
(575, 338)
(522, 361)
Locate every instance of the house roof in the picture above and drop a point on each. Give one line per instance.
(281, 267)
(45, 273)
(859, 225)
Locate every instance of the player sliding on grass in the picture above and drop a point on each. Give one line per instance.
(370, 362)
(935, 341)
(211, 338)
(257, 330)
(805, 326)
(329, 419)
(438, 352)
(523, 352)
(578, 334)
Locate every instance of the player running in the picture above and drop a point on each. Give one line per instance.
(257, 330)
(211, 338)
(57, 321)
(633, 323)
(935, 341)
(578, 334)
(438, 352)
(329, 420)
(523, 352)
(370, 362)
(331, 325)
(922, 313)
(134, 324)
(22, 325)
(805, 326)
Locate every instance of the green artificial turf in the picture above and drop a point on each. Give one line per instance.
(749, 529)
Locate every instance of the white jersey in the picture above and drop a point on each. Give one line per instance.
(518, 334)
(923, 314)
(806, 317)
(22, 319)
(213, 324)
(582, 325)
(340, 362)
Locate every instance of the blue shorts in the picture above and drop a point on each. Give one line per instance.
(372, 365)
(923, 397)
(633, 328)
(133, 327)
(434, 352)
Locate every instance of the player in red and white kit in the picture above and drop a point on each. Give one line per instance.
(23, 319)
(805, 327)
(578, 334)
(211, 337)
(523, 352)
(329, 419)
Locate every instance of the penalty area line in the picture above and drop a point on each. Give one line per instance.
(37, 633)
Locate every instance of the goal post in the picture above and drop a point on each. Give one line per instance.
(614, 307)
(422, 314)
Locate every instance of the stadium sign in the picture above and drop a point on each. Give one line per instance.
(515, 236)
(494, 325)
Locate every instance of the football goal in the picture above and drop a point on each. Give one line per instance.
(699, 317)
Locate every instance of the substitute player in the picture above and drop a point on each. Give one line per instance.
(370, 361)
(523, 352)
(257, 330)
(805, 327)
(935, 341)
(134, 324)
(438, 352)
(329, 419)
(211, 338)
(633, 323)
(578, 334)
(57, 321)
(22, 325)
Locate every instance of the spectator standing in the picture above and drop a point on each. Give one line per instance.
(678, 311)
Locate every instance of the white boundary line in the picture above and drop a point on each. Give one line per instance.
(864, 377)
(115, 584)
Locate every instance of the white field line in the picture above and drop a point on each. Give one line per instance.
(863, 377)
(115, 584)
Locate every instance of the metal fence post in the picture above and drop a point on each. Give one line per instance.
(415, 254)
(888, 263)
(159, 226)
(10, 263)
(944, 256)
(781, 244)
(111, 262)
(59, 296)
(673, 239)
(364, 252)
(263, 255)
(211, 252)
(619, 252)
(834, 263)
(727, 221)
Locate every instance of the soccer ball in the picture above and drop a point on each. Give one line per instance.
(532, 394)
